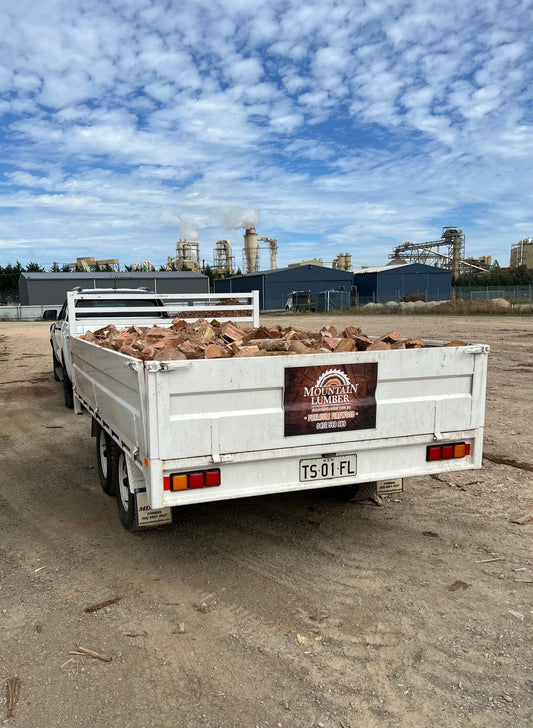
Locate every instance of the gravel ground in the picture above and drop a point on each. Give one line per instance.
(291, 610)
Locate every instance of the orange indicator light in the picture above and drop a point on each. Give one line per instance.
(179, 482)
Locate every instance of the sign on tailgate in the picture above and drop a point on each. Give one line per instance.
(321, 398)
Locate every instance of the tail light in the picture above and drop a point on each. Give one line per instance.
(449, 451)
(189, 481)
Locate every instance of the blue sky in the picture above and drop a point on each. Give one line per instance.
(333, 126)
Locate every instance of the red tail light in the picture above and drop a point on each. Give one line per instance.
(450, 451)
(212, 477)
(196, 479)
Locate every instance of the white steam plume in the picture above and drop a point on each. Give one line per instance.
(187, 229)
(237, 218)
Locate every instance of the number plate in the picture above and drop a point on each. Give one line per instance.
(339, 466)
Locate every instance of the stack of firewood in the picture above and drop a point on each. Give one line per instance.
(196, 313)
(214, 340)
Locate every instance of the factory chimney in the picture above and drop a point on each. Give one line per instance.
(251, 250)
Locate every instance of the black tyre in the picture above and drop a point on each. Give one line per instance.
(57, 366)
(106, 456)
(125, 499)
(67, 391)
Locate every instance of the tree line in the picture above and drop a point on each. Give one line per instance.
(520, 276)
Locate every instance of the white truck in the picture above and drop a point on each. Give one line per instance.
(182, 432)
(93, 308)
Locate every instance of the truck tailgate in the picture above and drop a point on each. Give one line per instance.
(228, 407)
(234, 408)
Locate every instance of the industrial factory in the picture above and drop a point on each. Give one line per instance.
(522, 253)
(448, 252)
(188, 255)
(252, 259)
(415, 268)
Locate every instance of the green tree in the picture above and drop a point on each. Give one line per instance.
(9, 281)
(55, 268)
(34, 268)
(210, 273)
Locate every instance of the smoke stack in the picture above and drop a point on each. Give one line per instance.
(251, 250)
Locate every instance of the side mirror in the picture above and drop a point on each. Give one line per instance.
(50, 315)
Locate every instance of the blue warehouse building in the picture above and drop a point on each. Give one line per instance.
(391, 282)
(276, 285)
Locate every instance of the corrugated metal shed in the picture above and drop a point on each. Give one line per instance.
(391, 282)
(51, 288)
(274, 286)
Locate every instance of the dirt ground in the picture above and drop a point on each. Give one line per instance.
(292, 610)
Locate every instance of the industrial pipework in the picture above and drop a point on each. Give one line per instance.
(522, 253)
(188, 256)
(223, 261)
(251, 250)
(342, 262)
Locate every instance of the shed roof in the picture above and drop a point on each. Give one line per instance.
(295, 269)
(112, 275)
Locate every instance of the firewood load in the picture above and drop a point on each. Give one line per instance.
(214, 340)
(196, 313)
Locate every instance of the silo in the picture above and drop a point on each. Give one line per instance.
(251, 250)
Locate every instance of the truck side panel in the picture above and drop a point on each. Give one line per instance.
(114, 391)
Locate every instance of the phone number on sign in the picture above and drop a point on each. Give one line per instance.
(338, 424)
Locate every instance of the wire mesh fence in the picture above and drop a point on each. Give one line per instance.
(513, 294)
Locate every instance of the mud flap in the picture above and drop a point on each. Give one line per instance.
(147, 516)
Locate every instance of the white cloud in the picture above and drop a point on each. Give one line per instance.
(355, 123)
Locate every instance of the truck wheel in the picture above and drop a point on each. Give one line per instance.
(106, 455)
(125, 499)
(56, 366)
(67, 391)
(356, 491)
